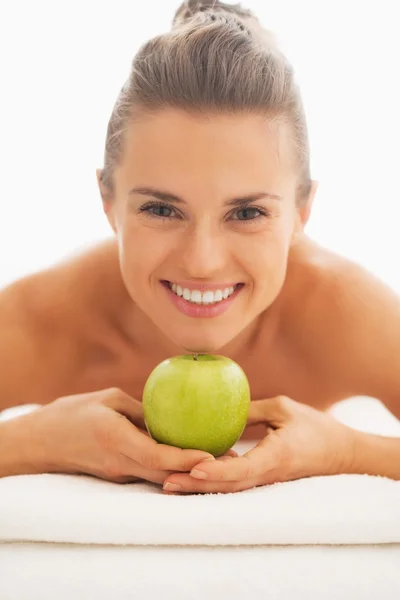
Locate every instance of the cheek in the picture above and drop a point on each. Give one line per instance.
(267, 254)
(142, 251)
(267, 264)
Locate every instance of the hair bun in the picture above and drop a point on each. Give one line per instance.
(189, 8)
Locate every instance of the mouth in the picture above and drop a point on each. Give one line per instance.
(205, 296)
(202, 303)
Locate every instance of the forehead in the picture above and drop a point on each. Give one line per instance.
(172, 143)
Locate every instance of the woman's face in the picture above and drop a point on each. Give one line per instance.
(201, 206)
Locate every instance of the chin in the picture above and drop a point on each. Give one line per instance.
(203, 344)
(200, 350)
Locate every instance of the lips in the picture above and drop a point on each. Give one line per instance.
(198, 307)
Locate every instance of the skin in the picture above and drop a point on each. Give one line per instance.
(309, 327)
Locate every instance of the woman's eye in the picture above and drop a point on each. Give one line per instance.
(160, 211)
(164, 212)
(247, 214)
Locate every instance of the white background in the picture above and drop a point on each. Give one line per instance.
(62, 65)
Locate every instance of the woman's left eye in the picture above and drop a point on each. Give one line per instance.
(250, 213)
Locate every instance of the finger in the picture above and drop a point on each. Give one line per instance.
(181, 483)
(134, 471)
(261, 459)
(274, 411)
(143, 449)
(122, 479)
(231, 453)
(131, 472)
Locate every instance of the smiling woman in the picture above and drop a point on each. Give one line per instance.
(206, 185)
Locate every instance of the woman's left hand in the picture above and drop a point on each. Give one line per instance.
(301, 441)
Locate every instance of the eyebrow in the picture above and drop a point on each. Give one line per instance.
(172, 198)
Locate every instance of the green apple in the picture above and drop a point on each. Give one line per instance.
(198, 401)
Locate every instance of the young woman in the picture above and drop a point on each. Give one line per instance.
(206, 185)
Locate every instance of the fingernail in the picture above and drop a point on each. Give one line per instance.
(172, 487)
(198, 474)
(211, 458)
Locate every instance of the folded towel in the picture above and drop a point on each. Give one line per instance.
(340, 509)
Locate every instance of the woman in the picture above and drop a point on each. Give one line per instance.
(206, 185)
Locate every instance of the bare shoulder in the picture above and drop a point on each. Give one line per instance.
(347, 320)
(45, 316)
(64, 289)
(329, 292)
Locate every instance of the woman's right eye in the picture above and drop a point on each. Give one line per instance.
(158, 211)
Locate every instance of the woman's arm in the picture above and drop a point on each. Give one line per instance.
(376, 455)
(16, 454)
(301, 442)
(101, 433)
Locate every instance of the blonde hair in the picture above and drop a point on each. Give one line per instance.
(217, 58)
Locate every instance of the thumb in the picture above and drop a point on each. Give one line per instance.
(274, 411)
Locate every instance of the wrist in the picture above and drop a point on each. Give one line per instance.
(376, 455)
(17, 455)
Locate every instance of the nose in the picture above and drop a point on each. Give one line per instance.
(203, 253)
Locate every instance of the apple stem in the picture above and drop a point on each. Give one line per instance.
(195, 356)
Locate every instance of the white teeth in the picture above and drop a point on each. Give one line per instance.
(197, 297)
(208, 297)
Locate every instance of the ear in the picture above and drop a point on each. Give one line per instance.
(104, 193)
(107, 200)
(303, 213)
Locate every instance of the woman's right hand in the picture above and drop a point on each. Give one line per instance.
(102, 434)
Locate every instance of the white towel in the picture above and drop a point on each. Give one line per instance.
(341, 509)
